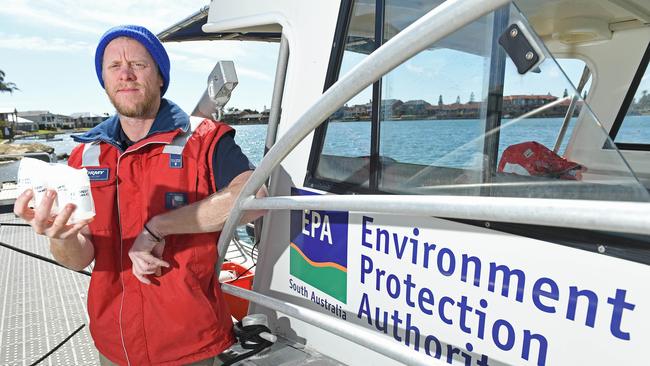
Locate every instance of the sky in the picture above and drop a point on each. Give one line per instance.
(47, 49)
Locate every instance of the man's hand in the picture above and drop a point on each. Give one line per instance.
(146, 255)
(56, 228)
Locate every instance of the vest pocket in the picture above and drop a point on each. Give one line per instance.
(104, 193)
(169, 182)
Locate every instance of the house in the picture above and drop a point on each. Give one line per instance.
(519, 104)
(6, 113)
(10, 117)
(253, 118)
(390, 108)
(415, 108)
(88, 119)
(44, 119)
(47, 120)
(63, 121)
(22, 124)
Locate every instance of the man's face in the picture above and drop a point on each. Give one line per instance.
(131, 78)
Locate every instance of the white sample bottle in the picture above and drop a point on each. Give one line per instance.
(33, 174)
(73, 186)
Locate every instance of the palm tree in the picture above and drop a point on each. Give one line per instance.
(6, 86)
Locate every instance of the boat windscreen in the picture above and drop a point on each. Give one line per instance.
(475, 115)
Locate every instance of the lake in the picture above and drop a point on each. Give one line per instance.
(443, 142)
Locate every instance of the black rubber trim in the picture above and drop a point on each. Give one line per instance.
(631, 146)
(495, 97)
(629, 97)
(631, 247)
(333, 69)
(375, 117)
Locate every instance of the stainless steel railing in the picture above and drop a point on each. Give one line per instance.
(435, 25)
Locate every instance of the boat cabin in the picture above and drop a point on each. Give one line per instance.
(460, 182)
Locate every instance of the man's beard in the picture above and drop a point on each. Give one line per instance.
(139, 110)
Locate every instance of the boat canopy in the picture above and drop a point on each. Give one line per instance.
(190, 29)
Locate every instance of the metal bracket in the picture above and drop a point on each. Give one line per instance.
(521, 47)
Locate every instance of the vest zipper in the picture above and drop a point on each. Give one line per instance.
(119, 224)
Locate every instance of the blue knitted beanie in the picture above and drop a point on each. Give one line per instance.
(146, 38)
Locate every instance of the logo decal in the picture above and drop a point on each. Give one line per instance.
(175, 161)
(97, 174)
(175, 200)
(319, 249)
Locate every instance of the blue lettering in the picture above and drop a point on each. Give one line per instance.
(592, 306)
(393, 291)
(507, 273)
(414, 257)
(382, 237)
(619, 305)
(408, 328)
(365, 231)
(481, 318)
(464, 308)
(427, 346)
(553, 294)
(399, 249)
(543, 347)
(477, 269)
(441, 309)
(428, 248)
(409, 285)
(451, 350)
(366, 267)
(364, 308)
(510, 340)
(452, 261)
(425, 297)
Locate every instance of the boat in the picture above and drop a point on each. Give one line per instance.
(467, 255)
(477, 241)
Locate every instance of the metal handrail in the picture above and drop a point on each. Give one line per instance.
(438, 23)
(586, 74)
(632, 217)
(357, 334)
(435, 25)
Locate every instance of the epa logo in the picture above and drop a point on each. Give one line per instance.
(319, 249)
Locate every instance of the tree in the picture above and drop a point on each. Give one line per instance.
(471, 97)
(644, 102)
(565, 94)
(458, 99)
(6, 86)
(440, 100)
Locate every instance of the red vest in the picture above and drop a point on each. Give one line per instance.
(182, 317)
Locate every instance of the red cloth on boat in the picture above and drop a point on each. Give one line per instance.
(534, 159)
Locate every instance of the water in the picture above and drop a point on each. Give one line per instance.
(457, 143)
(454, 143)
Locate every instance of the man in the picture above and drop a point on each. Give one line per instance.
(163, 187)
